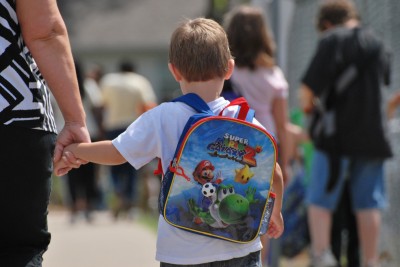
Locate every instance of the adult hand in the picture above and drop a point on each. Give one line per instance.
(71, 133)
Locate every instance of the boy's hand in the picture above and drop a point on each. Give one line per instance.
(276, 226)
(67, 162)
(61, 168)
(71, 133)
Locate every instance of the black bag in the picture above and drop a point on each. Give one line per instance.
(323, 125)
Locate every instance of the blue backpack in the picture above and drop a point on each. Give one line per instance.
(219, 181)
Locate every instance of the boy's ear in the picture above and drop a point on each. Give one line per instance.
(231, 65)
(175, 72)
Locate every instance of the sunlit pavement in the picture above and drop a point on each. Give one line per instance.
(101, 243)
(108, 243)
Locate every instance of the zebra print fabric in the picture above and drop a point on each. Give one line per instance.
(24, 96)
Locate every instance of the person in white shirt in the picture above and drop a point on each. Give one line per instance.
(200, 61)
(126, 95)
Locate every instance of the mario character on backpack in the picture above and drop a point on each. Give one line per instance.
(204, 173)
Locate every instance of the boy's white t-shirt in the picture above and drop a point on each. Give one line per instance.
(155, 134)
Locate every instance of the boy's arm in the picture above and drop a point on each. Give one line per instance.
(102, 152)
(275, 228)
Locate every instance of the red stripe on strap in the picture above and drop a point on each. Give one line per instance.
(244, 107)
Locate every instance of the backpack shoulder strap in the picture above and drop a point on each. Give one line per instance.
(245, 112)
(203, 110)
(194, 101)
(198, 104)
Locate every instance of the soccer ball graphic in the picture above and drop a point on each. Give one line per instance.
(208, 190)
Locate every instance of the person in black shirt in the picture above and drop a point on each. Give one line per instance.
(341, 89)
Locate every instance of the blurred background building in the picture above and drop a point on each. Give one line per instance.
(104, 31)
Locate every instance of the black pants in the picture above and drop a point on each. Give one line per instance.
(123, 176)
(82, 184)
(344, 219)
(25, 184)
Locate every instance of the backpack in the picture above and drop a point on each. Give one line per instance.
(219, 181)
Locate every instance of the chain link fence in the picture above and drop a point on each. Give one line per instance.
(382, 17)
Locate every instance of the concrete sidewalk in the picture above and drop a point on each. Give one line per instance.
(109, 243)
(102, 243)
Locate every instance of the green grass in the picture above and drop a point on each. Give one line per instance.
(150, 220)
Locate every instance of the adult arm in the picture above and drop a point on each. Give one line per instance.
(45, 34)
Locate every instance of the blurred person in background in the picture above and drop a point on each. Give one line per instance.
(91, 83)
(257, 77)
(392, 105)
(35, 58)
(83, 187)
(341, 88)
(126, 96)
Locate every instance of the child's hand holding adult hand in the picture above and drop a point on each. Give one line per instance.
(67, 162)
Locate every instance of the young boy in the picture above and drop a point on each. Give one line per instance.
(200, 61)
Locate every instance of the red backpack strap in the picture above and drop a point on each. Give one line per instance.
(172, 168)
(244, 107)
(159, 170)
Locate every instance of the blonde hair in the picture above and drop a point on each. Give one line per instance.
(199, 49)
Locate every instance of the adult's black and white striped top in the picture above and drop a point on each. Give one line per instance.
(24, 95)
